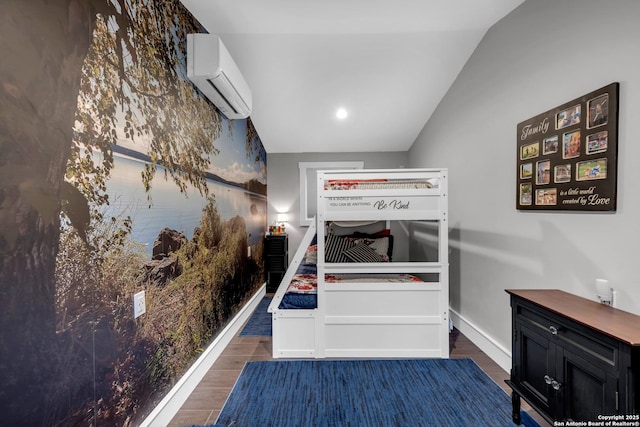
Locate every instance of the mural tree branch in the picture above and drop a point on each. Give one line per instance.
(134, 88)
(94, 73)
(253, 144)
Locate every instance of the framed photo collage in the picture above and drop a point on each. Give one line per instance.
(567, 157)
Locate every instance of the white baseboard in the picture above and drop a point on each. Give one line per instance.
(173, 401)
(497, 352)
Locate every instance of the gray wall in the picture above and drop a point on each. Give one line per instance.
(543, 54)
(283, 182)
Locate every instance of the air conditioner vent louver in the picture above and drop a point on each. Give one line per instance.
(211, 68)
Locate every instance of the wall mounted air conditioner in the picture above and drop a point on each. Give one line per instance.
(211, 68)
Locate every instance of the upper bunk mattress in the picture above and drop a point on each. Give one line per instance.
(361, 195)
(378, 184)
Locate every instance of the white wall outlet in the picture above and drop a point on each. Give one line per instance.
(139, 305)
(604, 292)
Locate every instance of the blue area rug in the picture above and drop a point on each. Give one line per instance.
(362, 393)
(259, 324)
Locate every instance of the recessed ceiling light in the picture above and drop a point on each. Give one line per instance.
(341, 113)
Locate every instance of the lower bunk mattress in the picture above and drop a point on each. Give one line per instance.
(302, 292)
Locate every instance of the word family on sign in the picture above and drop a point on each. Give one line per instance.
(529, 130)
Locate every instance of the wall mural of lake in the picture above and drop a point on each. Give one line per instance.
(116, 176)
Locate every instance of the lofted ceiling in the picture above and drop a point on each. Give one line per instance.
(388, 63)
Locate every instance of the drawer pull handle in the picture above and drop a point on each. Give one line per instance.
(552, 382)
(553, 330)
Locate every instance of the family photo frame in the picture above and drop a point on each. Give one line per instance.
(567, 156)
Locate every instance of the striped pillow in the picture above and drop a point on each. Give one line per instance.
(362, 253)
(334, 248)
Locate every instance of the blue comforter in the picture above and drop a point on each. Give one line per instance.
(297, 301)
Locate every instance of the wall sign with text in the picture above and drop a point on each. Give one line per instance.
(567, 156)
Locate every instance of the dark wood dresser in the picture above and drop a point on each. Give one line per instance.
(574, 359)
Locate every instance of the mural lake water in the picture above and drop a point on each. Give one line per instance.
(170, 208)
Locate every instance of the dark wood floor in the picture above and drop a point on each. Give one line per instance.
(206, 401)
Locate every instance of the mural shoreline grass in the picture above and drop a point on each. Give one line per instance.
(192, 291)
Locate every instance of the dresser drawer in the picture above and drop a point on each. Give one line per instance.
(591, 345)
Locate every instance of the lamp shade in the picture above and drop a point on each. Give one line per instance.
(283, 217)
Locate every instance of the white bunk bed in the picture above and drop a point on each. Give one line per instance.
(358, 312)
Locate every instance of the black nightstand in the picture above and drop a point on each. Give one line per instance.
(276, 259)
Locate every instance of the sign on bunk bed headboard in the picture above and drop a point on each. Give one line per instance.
(567, 156)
